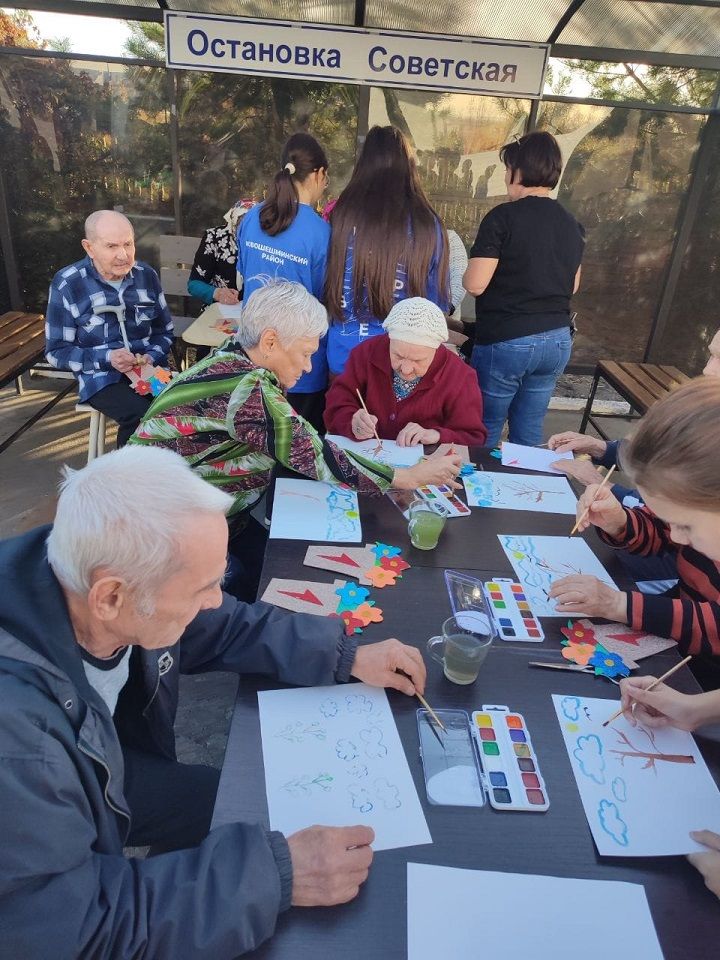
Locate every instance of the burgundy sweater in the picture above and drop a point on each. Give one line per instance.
(447, 399)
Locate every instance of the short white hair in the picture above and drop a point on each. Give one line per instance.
(288, 308)
(125, 511)
(92, 222)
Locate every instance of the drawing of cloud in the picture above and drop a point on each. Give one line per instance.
(570, 707)
(374, 746)
(358, 703)
(388, 794)
(619, 789)
(588, 754)
(612, 823)
(358, 770)
(345, 749)
(329, 707)
(361, 799)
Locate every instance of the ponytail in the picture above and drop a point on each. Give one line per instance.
(301, 156)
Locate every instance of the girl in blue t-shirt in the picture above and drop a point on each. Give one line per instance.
(284, 238)
(387, 244)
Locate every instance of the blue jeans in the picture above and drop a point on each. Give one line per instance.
(517, 379)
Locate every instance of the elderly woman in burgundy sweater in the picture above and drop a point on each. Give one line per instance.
(414, 389)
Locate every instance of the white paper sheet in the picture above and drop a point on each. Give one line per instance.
(381, 451)
(539, 561)
(230, 311)
(457, 914)
(313, 510)
(531, 458)
(520, 491)
(643, 790)
(333, 756)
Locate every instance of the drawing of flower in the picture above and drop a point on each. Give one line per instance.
(380, 577)
(579, 653)
(385, 550)
(368, 614)
(351, 595)
(397, 564)
(577, 633)
(608, 664)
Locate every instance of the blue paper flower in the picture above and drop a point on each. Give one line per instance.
(385, 550)
(351, 596)
(608, 664)
(497, 453)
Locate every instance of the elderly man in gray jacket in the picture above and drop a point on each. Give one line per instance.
(98, 616)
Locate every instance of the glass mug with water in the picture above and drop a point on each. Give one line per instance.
(465, 642)
(425, 523)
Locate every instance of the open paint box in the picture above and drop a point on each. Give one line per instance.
(502, 599)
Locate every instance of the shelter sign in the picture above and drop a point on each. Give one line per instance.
(388, 58)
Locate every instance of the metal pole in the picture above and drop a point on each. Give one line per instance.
(173, 89)
(8, 250)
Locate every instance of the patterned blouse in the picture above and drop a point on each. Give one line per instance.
(230, 421)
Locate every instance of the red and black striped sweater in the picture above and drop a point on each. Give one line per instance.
(692, 615)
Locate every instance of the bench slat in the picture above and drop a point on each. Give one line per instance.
(626, 385)
(644, 379)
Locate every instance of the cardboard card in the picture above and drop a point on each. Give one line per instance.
(303, 596)
(631, 645)
(352, 561)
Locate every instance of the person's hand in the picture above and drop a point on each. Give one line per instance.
(413, 433)
(329, 864)
(707, 863)
(363, 425)
(605, 511)
(122, 360)
(581, 593)
(437, 470)
(377, 663)
(226, 295)
(663, 706)
(581, 470)
(577, 443)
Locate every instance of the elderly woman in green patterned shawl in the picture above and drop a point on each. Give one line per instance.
(228, 417)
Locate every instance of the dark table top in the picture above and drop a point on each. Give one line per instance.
(558, 842)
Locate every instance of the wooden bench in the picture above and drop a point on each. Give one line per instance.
(22, 344)
(640, 384)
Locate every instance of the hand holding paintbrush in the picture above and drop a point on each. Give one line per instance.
(363, 422)
(600, 497)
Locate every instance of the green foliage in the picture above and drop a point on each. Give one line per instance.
(679, 86)
(146, 41)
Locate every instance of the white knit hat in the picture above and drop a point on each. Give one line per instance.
(418, 321)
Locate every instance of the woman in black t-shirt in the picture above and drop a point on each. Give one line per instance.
(524, 268)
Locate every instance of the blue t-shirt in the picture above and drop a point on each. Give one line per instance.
(298, 254)
(359, 324)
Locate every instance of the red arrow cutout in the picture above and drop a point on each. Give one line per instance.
(343, 558)
(631, 638)
(308, 596)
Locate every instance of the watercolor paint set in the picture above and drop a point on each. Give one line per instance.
(445, 497)
(486, 758)
(502, 599)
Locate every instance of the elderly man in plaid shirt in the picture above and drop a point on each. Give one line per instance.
(105, 314)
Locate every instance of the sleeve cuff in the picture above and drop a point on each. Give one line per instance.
(347, 648)
(281, 852)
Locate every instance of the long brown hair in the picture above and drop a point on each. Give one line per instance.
(673, 453)
(385, 214)
(301, 156)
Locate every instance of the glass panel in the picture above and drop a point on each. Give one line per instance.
(314, 11)
(77, 137)
(624, 178)
(694, 317)
(639, 25)
(232, 131)
(503, 19)
(456, 140)
(684, 86)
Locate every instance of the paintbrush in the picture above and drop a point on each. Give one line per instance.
(586, 511)
(430, 710)
(652, 686)
(357, 391)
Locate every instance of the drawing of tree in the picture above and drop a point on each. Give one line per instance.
(530, 492)
(650, 756)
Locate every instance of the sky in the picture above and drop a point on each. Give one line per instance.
(84, 33)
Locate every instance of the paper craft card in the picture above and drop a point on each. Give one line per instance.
(381, 451)
(314, 510)
(631, 645)
(643, 790)
(539, 561)
(510, 491)
(531, 458)
(353, 561)
(302, 596)
(333, 756)
(454, 913)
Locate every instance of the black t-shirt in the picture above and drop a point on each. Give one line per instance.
(539, 247)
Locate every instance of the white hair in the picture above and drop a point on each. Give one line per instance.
(125, 511)
(288, 308)
(93, 222)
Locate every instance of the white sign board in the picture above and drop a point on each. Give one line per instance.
(420, 61)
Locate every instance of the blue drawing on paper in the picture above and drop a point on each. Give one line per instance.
(358, 703)
(298, 732)
(373, 740)
(619, 789)
(305, 786)
(479, 488)
(329, 707)
(387, 794)
(612, 823)
(343, 515)
(361, 799)
(589, 756)
(570, 707)
(358, 770)
(345, 749)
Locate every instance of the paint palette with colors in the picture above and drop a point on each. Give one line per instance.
(511, 611)
(510, 764)
(446, 498)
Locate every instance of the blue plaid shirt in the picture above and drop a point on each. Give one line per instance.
(79, 335)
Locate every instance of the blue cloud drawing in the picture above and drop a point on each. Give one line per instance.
(329, 707)
(612, 823)
(345, 749)
(619, 789)
(588, 754)
(361, 799)
(570, 707)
